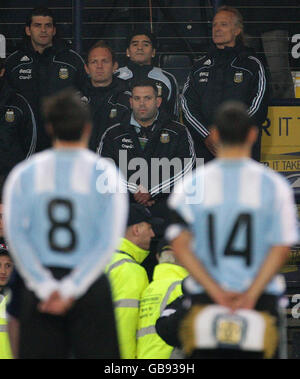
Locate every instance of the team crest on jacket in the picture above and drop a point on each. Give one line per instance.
(164, 137)
(10, 115)
(238, 77)
(63, 73)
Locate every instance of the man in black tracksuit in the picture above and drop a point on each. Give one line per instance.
(17, 129)
(108, 96)
(145, 148)
(229, 71)
(43, 66)
(140, 52)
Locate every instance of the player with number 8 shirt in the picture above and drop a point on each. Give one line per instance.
(62, 228)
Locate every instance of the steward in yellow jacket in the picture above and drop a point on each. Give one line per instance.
(128, 278)
(6, 267)
(165, 287)
(5, 351)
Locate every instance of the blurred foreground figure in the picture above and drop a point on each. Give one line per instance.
(62, 226)
(234, 221)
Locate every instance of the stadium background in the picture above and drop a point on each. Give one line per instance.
(183, 31)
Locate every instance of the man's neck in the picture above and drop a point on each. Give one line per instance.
(40, 49)
(101, 84)
(146, 123)
(59, 144)
(221, 46)
(234, 152)
(141, 63)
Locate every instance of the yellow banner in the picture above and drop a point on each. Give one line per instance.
(280, 148)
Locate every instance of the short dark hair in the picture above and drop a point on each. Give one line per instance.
(67, 114)
(103, 45)
(144, 83)
(233, 122)
(142, 31)
(39, 11)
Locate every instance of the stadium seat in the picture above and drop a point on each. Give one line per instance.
(177, 64)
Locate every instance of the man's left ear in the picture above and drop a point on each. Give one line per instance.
(153, 53)
(253, 133)
(115, 66)
(238, 31)
(214, 134)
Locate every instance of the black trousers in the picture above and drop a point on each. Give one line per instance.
(86, 331)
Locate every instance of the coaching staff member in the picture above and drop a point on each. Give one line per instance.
(149, 134)
(229, 71)
(141, 50)
(62, 228)
(107, 96)
(43, 65)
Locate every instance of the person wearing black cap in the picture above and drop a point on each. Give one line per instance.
(128, 278)
(141, 49)
(165, 287)
(6, 268)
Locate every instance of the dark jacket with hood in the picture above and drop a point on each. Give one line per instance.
(36, 76)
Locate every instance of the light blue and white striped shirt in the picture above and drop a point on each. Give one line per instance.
(237, 210)
(63, 208)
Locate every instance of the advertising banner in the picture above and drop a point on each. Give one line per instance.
(280, 151)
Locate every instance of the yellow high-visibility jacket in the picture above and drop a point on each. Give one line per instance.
(165, 287)
(5, 351)
(128, 279)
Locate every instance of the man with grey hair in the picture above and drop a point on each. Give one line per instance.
(229, 71)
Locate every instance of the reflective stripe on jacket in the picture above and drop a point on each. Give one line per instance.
(128, 280)
(165, 288)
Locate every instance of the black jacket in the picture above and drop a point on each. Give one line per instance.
(222, 75)
(36, 75)
(109, 105)
(167, 139)
(17, 129)
(165, 82)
